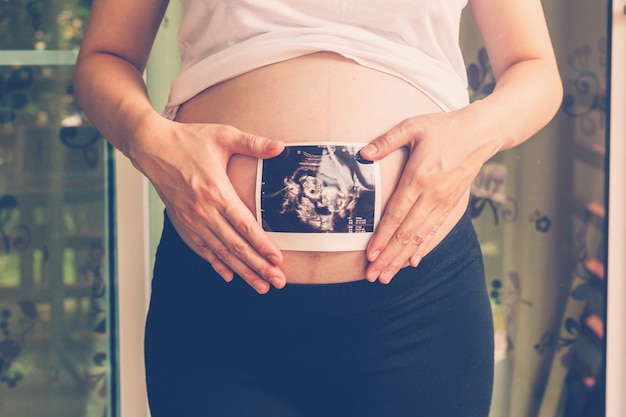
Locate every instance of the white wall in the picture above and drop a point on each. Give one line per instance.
(133, 284)
(616, 273)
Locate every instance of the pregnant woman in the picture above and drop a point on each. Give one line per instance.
(396, 325)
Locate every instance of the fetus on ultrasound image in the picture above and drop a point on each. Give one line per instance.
(318, 189)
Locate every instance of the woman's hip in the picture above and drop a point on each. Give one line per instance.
(427, 333)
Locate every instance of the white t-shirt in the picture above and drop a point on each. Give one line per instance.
(415, 40)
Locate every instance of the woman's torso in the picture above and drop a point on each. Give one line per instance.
(320, 97)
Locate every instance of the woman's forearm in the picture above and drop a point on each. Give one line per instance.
(526, 97)
(528, 88)
(108, 79)
(113, 95)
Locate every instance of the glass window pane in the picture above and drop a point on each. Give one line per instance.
(54, 250)
(42, 24)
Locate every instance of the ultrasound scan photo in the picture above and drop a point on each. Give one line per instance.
(323, 188)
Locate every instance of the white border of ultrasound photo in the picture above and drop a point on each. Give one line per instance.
(321, 241)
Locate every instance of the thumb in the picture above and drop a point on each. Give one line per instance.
(256, 146)
(396, 138)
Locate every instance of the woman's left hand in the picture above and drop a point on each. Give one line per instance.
(441, 167)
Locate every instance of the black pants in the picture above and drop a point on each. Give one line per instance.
(421, 346)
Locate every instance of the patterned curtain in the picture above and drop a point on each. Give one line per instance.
(539, 213)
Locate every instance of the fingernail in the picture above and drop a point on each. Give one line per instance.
(374, 256)
(274, 259)
(385, 278)
(226, 275)
(359, 158)
(372, 276)
(415, 260)
(261, 286)
(370, 149)
(271, 145)
(277, 282)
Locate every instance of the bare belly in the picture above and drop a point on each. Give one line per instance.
(320, 97)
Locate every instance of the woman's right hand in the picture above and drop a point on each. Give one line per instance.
(187, 166)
